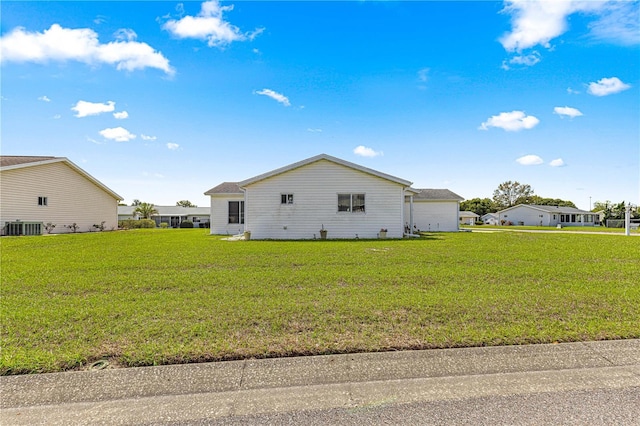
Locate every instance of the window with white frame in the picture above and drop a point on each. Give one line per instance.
(286, 198)
(42, 201)
(236, 212)
(351, 203)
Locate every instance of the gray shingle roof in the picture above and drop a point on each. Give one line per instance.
(14, 160)
(225, 188)
(435, 194)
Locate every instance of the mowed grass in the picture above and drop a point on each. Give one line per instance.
(152, 297)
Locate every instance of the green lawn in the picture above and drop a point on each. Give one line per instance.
(149, 297)
(601, 229)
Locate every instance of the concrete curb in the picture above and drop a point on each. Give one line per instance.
(318, 382)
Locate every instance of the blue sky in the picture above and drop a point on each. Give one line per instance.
(163, 100)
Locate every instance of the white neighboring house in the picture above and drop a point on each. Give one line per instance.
(468, 218)
(434, 210)
(37, 190)
(173, 216)
(490, 219)
(535, 215)
(321, 192)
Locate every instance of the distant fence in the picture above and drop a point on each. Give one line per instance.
(619, 223)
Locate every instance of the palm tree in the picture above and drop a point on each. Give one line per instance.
(145, 210)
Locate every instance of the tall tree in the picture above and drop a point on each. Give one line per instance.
(479, 206)
(185, 203)
(136, 202)
(540, 201)
(145, 210)
(509, 192)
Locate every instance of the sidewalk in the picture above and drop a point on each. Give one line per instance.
(214, 390)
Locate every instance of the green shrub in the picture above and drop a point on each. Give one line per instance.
(164, 225)
(147, 223)
(136, 224)
(186, 224)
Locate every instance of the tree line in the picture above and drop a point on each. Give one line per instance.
(509, 194)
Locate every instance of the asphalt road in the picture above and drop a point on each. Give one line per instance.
(575, 383)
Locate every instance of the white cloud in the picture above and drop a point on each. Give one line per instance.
(423, 75)
(173, 146)
(530, 160)
(524, 60)
(57, 117)
(44, 99)
(538, 22)
(209, 25)
(84, 108)
(558, 162)
(118, 134)
(314, 130)
(607, 86)
(121, 115)
(364, 151)
(572, 92)
(274, 95)
(147, 138)
(82, 45)
(510, 121)
(618, 23)
(568, 111)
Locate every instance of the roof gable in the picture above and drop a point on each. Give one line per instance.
(12, 162)
(321, 157)
(225, 188)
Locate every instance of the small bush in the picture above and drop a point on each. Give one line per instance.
(147, 223)
(164, 225)
(186, 224)
(49, 227)
(136, 224)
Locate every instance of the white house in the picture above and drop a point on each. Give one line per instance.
(173, 216)
(320, 193)
(490, 219)
(535, 215)
(35, 191)
(433, 209)
(468, 218)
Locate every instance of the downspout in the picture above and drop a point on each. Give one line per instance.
(411, 214)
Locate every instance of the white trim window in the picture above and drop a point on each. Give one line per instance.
(351, 203)
(43, 201)
(286, 198)
(236, 212)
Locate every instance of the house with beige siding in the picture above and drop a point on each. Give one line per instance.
(323, 194)
(35, 191)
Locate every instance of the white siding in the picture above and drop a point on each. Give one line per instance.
(71, 197)
(434, 216)
(523, 215)
(315, 188)
(220, 215)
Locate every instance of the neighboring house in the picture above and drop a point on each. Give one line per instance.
(468, 218)
(173, 216)
(490, 219)
(321, 192)
(534, 215)
(35, 191)
(433, 210)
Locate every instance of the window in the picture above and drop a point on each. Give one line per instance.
(42, 201)
(353, 203)
(236, 212)
(286, 198)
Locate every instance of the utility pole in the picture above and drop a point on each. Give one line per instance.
(627, 219)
